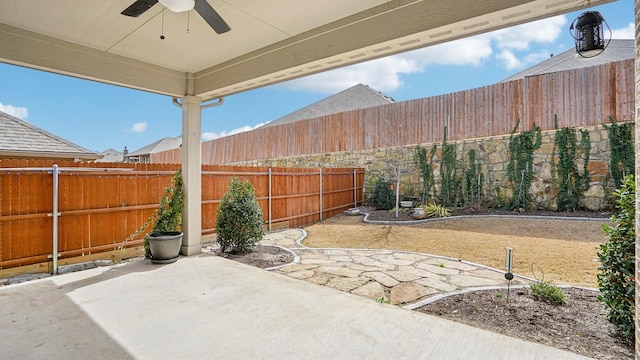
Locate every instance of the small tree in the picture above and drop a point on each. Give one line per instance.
(382, 197)
(617, 280)
(239, 218)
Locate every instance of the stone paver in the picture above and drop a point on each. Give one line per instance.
(382, 278)
(399, 277)
(450, 264)
(437, 284)
(340, 271)
(346, 284)
(407, 292)
(371, 290)
(302, 274)
(436, 269)
(403, 276)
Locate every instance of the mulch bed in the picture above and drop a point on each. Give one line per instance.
(261, 256)
(578, 326)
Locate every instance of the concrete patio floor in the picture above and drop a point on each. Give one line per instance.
(208, 307)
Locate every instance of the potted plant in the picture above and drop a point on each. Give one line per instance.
(162, 244)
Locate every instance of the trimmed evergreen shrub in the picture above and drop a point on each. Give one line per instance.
(382, 197)
(239, 218)
(616, 279)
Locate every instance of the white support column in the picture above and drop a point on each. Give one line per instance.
(191, 174)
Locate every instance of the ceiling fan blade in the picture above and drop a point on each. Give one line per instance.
(211, 17)
(138, 7)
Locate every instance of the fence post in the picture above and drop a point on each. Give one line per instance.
(320, 194)
(355, 190)
(269, 172)
(54, 256)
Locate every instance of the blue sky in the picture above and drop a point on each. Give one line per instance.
(98, 116)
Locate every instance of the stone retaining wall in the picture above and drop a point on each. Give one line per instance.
(493, 156)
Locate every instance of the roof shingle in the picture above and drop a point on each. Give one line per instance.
(17, 135)
(356, 97)
(618, 49)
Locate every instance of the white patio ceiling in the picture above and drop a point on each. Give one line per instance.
(270, 40)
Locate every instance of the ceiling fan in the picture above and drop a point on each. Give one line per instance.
(202, 7)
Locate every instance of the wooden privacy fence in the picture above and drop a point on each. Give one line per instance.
(100, 205)
(580, 97)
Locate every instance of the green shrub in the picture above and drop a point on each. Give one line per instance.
(616, 279)
(382, 197)
(547, 292)
(239, 218)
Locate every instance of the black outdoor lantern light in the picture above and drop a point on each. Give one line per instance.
(588, 32)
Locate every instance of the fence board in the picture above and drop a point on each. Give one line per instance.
(99, 210)
(579, 97)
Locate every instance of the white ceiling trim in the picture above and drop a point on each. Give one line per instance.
(384, 29)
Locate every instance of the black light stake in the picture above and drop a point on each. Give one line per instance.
(509, 275)
(588, 33)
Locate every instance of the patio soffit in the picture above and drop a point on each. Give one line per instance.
(269, 42)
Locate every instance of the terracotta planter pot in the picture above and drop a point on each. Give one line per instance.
(165, 247)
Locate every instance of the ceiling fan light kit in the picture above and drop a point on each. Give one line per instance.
(202, 7)
(178, 5)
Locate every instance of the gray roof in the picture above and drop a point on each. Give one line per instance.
(357, 97)
(21, 139)
(617, 50)
(111, 155)
(167, 143)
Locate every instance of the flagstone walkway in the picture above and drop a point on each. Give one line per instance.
(397, 277)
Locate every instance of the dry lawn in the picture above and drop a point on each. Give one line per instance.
(561, 251)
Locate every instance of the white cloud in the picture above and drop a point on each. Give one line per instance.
(521, 36)
(470, 51)
(139, 127)
(17, 111)
(508, 60)
(212, 135)
(624, 33)
(382, 74)
(385, 74)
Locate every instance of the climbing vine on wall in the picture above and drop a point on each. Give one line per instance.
(520, 167)
(622, 151)
(424, 162)
(448, 182)
(564, 171)
(472, 180)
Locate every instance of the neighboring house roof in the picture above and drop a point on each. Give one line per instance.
(20, 139)
(356, 97)
(617, 50)
(111, 155)
(167, 143)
